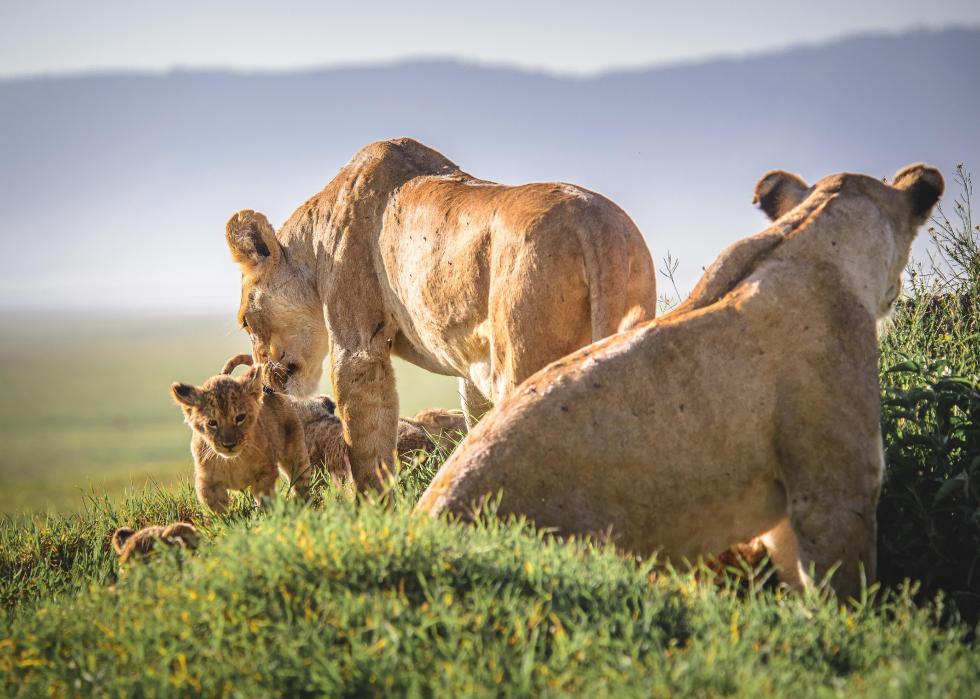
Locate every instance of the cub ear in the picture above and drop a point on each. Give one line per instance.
(923, 185)
(252, 378)
(120, 537)
(185, 394)
(779, 191)
(252, 240)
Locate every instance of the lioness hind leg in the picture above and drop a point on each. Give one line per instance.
(783, 550)
(831, 530)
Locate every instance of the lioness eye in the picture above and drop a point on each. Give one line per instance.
(212, 424)
(240, 418)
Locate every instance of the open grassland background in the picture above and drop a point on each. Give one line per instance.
(86, 406)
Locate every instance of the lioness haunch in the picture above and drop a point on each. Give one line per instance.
(751, 410)
(244, 436)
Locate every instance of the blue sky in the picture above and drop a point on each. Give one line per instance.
(569, 36)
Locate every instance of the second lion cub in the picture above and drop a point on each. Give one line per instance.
(243, 438)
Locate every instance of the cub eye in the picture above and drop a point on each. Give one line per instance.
(244, 324)
(212, 424)
(240, 418)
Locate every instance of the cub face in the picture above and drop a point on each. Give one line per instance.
(224, 410)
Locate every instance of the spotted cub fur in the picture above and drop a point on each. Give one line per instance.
(132, 544)
(243, 437)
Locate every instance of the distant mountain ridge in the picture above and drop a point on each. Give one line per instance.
(114, 188)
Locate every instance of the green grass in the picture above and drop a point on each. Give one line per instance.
(359, 599)
(86, 404)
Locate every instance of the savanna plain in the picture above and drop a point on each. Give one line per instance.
(354, 597)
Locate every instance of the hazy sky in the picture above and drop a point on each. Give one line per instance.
(40, 36)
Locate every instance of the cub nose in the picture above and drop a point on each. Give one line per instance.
(229, 445)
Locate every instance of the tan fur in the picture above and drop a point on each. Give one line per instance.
(403, 253)
(132, 544)
(242, 438)
(751, 410)
(446, 427)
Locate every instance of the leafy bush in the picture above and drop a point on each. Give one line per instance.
(929, 513)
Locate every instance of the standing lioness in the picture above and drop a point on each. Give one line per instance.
(751, 410)
(404, 253)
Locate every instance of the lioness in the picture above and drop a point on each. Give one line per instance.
(751, 410)
(242, 438)
(404, 253)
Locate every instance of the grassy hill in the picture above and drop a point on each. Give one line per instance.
(358, 599)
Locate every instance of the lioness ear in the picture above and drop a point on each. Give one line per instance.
(185, 394)
(120, 537)
(923, 185)
(252, 240)
(778, 192)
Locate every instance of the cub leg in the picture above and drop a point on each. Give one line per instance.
(475, 405)
(295, 464)
(264, 488)
(212, 494)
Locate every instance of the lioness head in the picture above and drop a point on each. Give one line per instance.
(868, 220)
(280, 308)
(223, 410)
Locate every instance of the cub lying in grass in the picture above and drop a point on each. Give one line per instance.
(243, 438)
(129, 543)
(321, 430)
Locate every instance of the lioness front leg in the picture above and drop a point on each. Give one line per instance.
(367, 404)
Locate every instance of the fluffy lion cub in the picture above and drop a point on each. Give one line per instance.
(243, 437)
(129, 543)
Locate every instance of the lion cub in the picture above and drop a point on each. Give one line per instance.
(243, 437)
(323, 431)
(132, 544)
